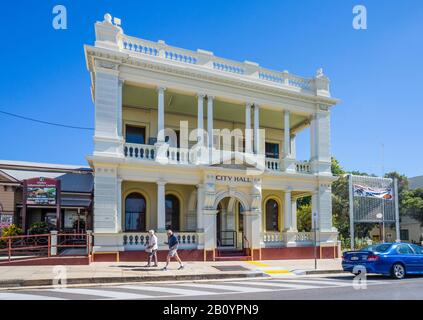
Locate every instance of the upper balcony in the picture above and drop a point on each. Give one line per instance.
(162, 84)
(110, 36)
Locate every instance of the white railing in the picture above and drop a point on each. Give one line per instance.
(303, 167)
(135, 241)
(139, 151)
(204, 59)
(272, 239)
(187, 156)
(273, 164)
(139, 240)
(306, 237)
(178, 155)
(187, 240)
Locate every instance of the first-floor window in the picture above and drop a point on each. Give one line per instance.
(135, 134)
(272, 150)
(172, 212)
(135, 212)
(272, 215)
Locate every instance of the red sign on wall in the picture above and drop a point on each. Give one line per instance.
(41, 191)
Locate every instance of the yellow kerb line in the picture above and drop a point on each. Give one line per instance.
(276, 271)
(258, 263)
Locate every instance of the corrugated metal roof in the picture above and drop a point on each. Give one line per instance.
(71, 182)
(77, 182)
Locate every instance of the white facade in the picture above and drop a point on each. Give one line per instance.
(152, 86)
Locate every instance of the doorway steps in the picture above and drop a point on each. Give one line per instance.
(232, 255)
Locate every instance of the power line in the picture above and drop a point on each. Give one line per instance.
(45, 122)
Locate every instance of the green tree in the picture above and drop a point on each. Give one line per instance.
(411, 204)
(304, 218)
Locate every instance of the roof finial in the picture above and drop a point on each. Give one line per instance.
(108, 18)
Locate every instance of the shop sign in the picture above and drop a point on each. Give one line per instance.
(41, 191)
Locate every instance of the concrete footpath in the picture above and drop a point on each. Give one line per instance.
(123, 272)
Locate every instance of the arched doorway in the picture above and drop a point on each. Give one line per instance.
(229, 223)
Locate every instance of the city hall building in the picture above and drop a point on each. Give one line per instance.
(205, 146)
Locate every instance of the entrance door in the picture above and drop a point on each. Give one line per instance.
(226, 234)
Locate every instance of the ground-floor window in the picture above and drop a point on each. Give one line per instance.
(172, 212)
(135, 212)
(404, 235)
(272, 215)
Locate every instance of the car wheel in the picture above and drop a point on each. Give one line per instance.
(398, 271)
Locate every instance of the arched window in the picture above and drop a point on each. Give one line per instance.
(172, 212)
(272, 215)
(135, 212)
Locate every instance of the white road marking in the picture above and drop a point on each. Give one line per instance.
(279, 285)
(173, 290)
(228, 287)
(25, 296)
(103, 293)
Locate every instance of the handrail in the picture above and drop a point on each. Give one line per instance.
(248, 244)
(24, 239)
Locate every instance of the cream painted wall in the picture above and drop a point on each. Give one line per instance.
(149, 191)
(184, 193)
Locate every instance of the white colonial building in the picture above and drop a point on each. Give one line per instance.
(155, 168)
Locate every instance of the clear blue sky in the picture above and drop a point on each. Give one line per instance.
(376, 73)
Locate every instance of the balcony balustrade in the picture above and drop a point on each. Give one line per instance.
(186, 156)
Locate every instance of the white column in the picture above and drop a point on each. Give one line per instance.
(200, 117)
(293, 147)
(161, 208)
(248, 138)
(294, 214)
(160, 115)
(256, 129)
(287, 211)
(287, 136)
(119, 206)
(210, 120)
(320, 143)
(200, 207)
(119, 108)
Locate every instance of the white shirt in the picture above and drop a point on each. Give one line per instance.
(152, 242)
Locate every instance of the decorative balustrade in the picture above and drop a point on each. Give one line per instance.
(138, 241)
(189, 156)
(273, 239)
(178, 155)
(304, 237)
(139, 46)
(187, 240)
(273, 164)
(207, 60)
(135, 240)
(303, 167)
(139, 151)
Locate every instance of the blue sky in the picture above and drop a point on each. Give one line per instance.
(377, 73)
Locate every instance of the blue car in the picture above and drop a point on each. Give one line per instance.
(391, 259)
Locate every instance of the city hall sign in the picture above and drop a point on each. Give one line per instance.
(233, 179)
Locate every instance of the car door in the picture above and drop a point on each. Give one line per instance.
(419, 255)
(407, 255)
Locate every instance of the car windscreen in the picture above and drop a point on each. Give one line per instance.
(378, 247)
